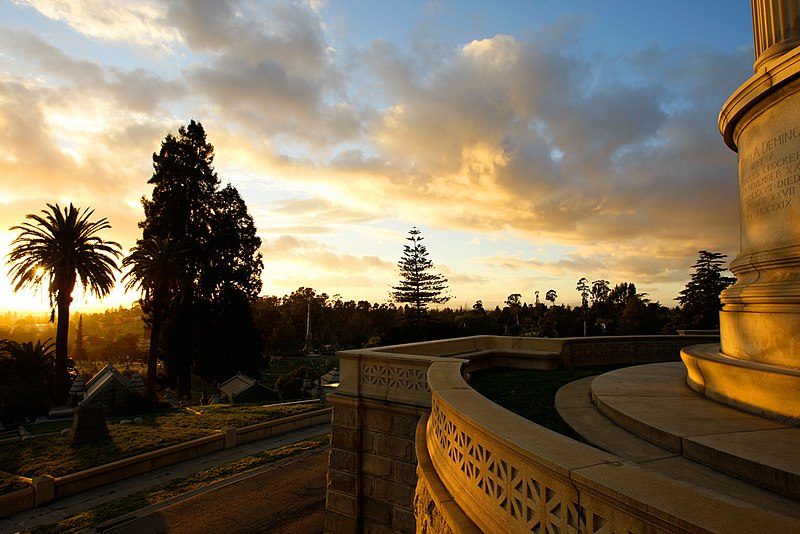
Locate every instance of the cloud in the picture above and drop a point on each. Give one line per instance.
(289, 248)
(514, 135)
(614, 158)
(141, 22)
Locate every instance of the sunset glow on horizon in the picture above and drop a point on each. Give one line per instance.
(533, 143)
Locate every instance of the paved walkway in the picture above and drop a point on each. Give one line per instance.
(288, 498)
(58, 510)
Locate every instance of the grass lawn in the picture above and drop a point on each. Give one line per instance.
(52, 454)
(10, 483)
(532, 394)
(156, 494)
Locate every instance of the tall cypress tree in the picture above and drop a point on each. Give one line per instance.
(79, 350)
(419, 285)
(222, 264)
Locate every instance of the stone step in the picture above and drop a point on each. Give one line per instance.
(649, 415)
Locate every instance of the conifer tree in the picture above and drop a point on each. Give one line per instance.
(700, 304)
(419, 286)
(209, 330)
(79, 353)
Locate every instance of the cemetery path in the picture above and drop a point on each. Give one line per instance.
(289, 499)
(58, 510)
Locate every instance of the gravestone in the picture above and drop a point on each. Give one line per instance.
(89, 424)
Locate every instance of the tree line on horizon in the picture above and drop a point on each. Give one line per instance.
(198, 268)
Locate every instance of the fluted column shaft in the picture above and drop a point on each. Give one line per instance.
(776, 28)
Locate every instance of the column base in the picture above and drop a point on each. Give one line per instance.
(763, 389)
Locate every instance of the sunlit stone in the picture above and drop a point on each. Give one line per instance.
(758, 366)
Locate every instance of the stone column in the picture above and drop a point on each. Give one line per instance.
(758, 367)
(776, 28)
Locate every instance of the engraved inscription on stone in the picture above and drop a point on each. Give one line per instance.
(770, 173)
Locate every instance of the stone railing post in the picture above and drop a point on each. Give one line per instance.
(372, 464)
(44, 487)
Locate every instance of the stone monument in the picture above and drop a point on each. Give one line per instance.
(756, 367)
(89, 424)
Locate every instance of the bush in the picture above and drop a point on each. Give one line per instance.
(22, 402)
(290, 385)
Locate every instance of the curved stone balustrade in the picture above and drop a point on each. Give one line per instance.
(507, 474)
(384, 392)
(498, 467)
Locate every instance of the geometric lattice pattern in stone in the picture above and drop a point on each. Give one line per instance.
(537, 502)
(394, 377)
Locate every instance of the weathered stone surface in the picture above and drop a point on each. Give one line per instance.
(343, 460)
(344, 416)
(341, 503)
(394, 447)
(345, 438)
(399, 494)
(378, 421)
(404, 472)
(402, 520)
(44, 487)
(376, 465)
(342, 482)
(335, 522)
(377, 511)
(368, 441)
(89, 424)
(405, 425)
(428, 517)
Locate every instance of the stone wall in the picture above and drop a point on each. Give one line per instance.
(372, 456)
(372, 466)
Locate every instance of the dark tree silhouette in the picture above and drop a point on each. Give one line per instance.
(418, 285)
(79, 350)
(223, 262)
(600, 290)
(59, 248)
(551, 296)
(584, 289)
(26, 377)
(157, 270)
(700, 304)
(514, 303)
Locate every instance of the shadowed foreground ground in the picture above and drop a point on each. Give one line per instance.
(289, 499)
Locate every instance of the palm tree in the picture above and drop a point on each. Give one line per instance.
(61, 247)
(26, 374)
(157, 269)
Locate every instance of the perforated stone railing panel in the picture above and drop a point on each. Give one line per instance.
(383, 376)
(499, 487)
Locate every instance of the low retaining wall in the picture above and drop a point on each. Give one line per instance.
(46, 488)
(17, 501)
(384, 392)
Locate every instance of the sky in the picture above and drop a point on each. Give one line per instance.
(532, 142)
